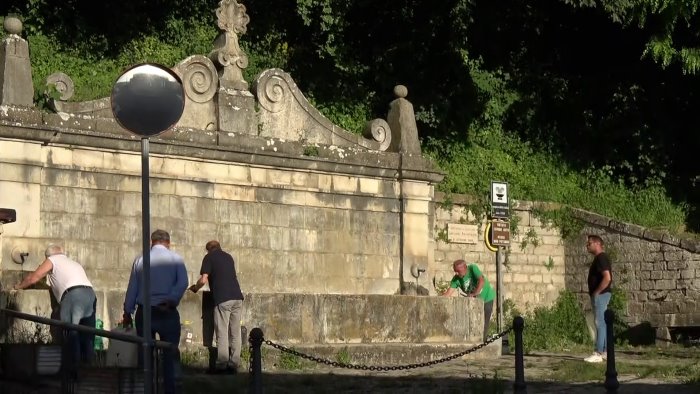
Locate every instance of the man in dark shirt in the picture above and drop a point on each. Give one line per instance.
(599, 283)
(218, 269)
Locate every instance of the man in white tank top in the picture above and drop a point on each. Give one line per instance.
(74, 292)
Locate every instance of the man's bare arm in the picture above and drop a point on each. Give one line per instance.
(203, 280)
(41, 271)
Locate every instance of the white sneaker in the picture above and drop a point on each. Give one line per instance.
(604, 355)
(594, 358)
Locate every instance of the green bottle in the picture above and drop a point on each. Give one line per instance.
(99, 344)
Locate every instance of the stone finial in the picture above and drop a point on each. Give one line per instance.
(400, 91)
(12, 25)
(16, 87)
(227, 53)
(402, 122)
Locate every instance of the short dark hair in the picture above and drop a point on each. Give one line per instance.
(212, 245)
(597, 239)
(160, 236)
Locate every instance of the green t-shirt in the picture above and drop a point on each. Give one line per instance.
(469, 282)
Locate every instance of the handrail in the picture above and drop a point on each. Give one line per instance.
(85, 329)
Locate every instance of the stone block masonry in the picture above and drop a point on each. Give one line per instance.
(291, 230)
(534, 272)
(658, 272)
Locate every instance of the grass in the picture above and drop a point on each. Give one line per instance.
(580, 371)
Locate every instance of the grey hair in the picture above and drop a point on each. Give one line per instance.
(53, 249)
(160, 236)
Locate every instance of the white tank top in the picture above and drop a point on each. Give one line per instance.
(65, 274)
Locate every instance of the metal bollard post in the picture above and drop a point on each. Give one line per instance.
(611, 383)
(519, 384)
(67, 367)
(256, 339)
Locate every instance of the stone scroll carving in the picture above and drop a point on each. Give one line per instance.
(233, 21)
(200, 81)
(378, 130)
(286, 114)
(64, 85)
(199, 78)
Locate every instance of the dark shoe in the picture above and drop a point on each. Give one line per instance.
(231, 370)
(217, 371)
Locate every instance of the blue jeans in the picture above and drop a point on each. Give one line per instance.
(78, 307)
(600, 305)
(165, 323)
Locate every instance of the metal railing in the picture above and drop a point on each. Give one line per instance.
(68, 382)
(257, 339)
(85, 329)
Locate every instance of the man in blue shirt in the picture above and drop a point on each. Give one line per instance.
(168, 270)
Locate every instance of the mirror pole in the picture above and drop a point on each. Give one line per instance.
(146, 277)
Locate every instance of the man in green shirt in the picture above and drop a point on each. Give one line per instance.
(473, 283)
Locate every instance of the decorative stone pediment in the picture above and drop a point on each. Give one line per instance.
(218, 102)
(286, 114)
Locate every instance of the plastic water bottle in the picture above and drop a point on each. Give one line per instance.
(99, 343)
(244, 335)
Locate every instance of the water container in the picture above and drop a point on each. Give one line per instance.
(99, 342)
(122, 354)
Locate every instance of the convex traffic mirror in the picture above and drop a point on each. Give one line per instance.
(148, 99)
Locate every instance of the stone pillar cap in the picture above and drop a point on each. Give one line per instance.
(12, 24)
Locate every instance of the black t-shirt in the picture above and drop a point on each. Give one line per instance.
(223, 282)
(600, 263)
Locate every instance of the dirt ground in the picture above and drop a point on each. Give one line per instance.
(654, 371)
(663, 371)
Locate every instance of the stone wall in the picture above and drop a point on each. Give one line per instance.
(291, 229)
(533, 275)
(434, 324)
(658, 272)
(304, 205)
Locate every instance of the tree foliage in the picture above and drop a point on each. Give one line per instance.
(669, 26)
(602, 89)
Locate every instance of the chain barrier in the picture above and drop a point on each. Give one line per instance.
(386, 368)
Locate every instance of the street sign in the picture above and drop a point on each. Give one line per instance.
(499, 200)
(500, 233)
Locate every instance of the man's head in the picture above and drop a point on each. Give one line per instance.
(460, 268)
(212, 245)
(53, 249)
(595, 244)
(160, 237)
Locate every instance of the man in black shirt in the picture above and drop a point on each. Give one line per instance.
(218, 269)
(599, 283)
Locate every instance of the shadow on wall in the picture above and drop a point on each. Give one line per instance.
(642, 334)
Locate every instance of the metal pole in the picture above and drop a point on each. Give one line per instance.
(611, 383)
(499, 288)
(146, 284)
(519, 385)
(256, 340)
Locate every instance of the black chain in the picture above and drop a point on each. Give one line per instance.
(387, 368)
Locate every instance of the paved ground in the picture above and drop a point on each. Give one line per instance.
(645, 372)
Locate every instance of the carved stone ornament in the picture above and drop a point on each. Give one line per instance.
(199, 78)
(227, 53)
(63, 83)
(378, 130)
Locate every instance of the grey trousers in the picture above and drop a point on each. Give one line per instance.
(227, 325)
(488, 310)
